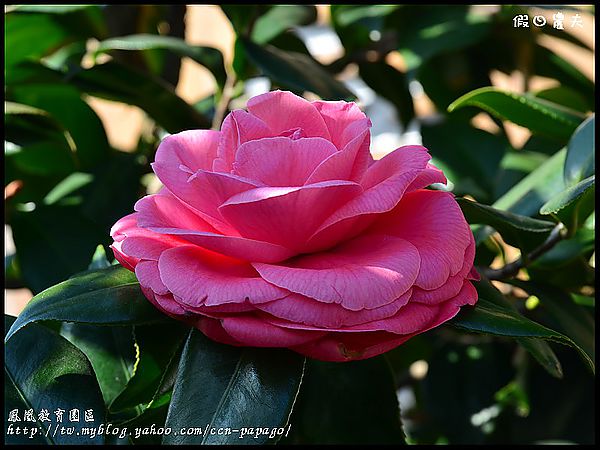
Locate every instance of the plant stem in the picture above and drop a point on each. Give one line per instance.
(512, 269)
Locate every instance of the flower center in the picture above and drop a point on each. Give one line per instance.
(294, 133)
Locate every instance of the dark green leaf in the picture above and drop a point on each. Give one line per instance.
(70, 184)
(209, 57)
(564, 96)
(440, 30)
(392, 85)
(538, 348)
(544, 354)
(296, 71)
(51, 250)
(117, 82)
(280, 18)
(519, 231)
(65, 104)
(565, 251)
(575, 322)
(581, 161)
(538, 115)
(105, 297)
(55, 375)
(529, 194)
(453, 142)
(31, 37)
(224, 386)
(110, 350)
(350, 403)
(488, 318)
(568, 196)
(157, 345)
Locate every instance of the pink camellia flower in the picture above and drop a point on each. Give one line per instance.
(281, 230)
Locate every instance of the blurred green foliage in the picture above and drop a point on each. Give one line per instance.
(490, 377)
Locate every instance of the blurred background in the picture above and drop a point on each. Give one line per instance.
(91, 90)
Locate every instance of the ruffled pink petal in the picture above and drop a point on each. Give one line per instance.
(344, 120)
(433, 222)
(166, 215)
(238, 127)
(195, 149)
(384, 184)
(148, 276)
(453, 284)
(350, 163)
(200, 277)
(165, 210)
(281, 161)
(164, 303)
(256, 332)
(117, 232)
(283, 111)
(429, 176)
(304, 313)
(342, 347)
(365, 273)
(286, 215)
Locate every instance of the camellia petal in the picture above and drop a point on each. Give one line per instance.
(283, 111)
(386, 267)
(200, 277)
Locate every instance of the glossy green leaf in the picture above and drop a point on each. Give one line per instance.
(488, 318)
(67, 107)
(573, 321)
(520, 231)
(565, 251)
(350, 403)
(280, 18)
(538, 348)
(390, 84)
(564, 96)
(156, 345)
(453, 142)
(544, 354)
(110, 350)
(67, 186)
(104, 297)
(51, 250)
(581, 156)
(55, 375)
(114, 81)
(538, 115)
(99, 259)
(47, 9)
(223, 386)
(569, 195)
(209, 57)
(296, 71)
(31, 37)
(528, 195)
(441, 30)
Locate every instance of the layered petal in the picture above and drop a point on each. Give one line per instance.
(344, 120)
(238, 127)
(165, 214)
(366, 273)
(300, 312)
(384, 183)
(199, 277)
(283, 111)
(281, 161)
(434, 223)
(286, 215)
(350, 163)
